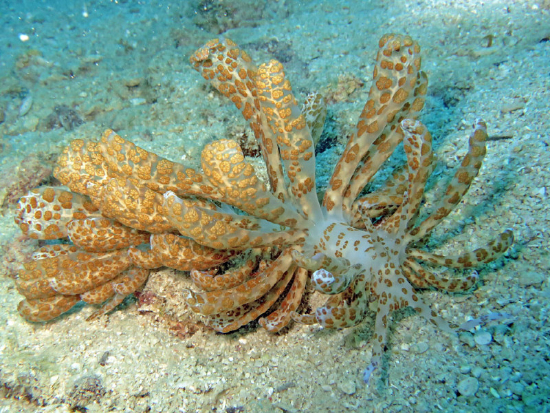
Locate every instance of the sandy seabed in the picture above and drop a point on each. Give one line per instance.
(71, 71)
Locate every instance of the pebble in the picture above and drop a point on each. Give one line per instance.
(477, 372)
(468, 387)
(420, 348)
(30, 123)
(483, 337)
(465, 369)
(136, 81)
(517, 388)
(25, 106)
(92, 59)
(347, 387)
(530, 278)
(138, 101)
(511, 107)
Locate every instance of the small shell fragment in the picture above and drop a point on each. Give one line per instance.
(347, 387)
(468, 387)
(25, 106)
(483, 337)
(420, 348)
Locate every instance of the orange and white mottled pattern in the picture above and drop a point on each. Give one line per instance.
(54, 282)
(180, 253)
(45, 212)
(274, 240)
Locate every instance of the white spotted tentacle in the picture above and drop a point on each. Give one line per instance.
(327, 282)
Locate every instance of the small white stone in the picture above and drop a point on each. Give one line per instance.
(92, 59)
(465, 369)
(138, 101)
(347, 387)
(530, 278)
(420, 348)
(25, 106)
(468, 387)
(483, 337)
(477, 372)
